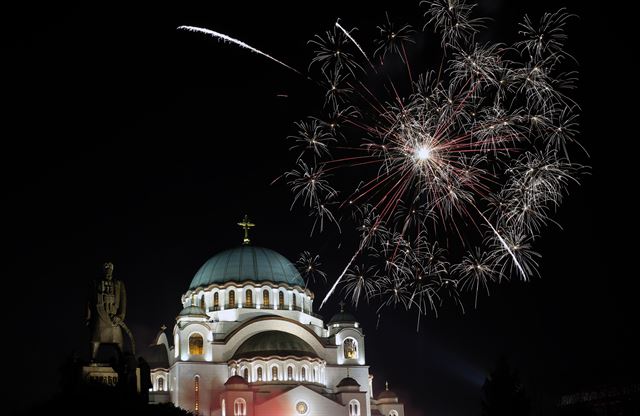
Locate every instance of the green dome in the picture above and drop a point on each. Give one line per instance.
(247, 263)
(277, 343)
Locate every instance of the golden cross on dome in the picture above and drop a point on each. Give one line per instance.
(246, 225)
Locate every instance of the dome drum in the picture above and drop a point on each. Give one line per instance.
(250, 295)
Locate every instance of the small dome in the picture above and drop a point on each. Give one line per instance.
(348, 382)
(387, 396)
(268, 343)
(157, 356)
(236, 381)
(247, 263)
(193, 311)
(342, 317)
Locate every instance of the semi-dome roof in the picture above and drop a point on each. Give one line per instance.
(236, 380)
(348, 382)
(247, 262)
(193, 311)
(268, 343)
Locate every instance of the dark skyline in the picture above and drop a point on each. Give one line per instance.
(131, 142)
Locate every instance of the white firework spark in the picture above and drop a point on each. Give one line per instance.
(477, 154)
(227, 38)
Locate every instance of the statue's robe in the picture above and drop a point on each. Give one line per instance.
(107, 308)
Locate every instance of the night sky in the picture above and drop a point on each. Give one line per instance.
(128, 141)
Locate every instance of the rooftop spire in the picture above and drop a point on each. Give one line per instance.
(246, 224)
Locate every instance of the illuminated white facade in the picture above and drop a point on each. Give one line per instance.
(247, 343)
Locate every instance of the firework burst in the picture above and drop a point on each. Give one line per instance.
(451, 182)
(449, 174)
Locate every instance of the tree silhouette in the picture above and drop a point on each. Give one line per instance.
(503, 394)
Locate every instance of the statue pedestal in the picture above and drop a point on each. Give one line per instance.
(99, 373)
(105, 374)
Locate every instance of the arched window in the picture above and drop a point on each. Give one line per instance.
(196, 344)
(290, 373)
(350, 348)
(393, 413)
(259, 373)
(315, 374)
(294, 300)
(232, 298)
(234, 371)
(265, 298)
(202, 304)
(274, 373)
(303, 374)
(196, 393)
(245, 374)
(239, 407)
(216, 301)
(248, 298)
(280, 300)
(160, 383)
(354, 408)
(223, 407)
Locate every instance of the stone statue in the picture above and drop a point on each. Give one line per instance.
(105, 312)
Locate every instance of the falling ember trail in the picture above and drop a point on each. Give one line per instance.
(504, 243)
(342, 275)
(229, 39)
(355, 43)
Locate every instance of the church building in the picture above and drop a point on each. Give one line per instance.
(247, 343)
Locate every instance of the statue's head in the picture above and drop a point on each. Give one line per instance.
(108, 270)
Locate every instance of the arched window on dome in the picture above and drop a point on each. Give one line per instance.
(259, 373)
(248, 298)
(216, 301)
(354, 408)
(290, 373)
(280, 300)
(232, 298)
(274, 373)
(239, 407)
(393, 413)
(196, 344)
(315, 374)
(160, 383)
(350, 347)
(303, 374)
(265, 298)
(223, 407)
(245, 374)
(196, 394)
(293, 295)
(202, 304)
